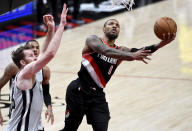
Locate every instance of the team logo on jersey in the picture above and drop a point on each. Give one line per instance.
(107, 59)
(67, 113)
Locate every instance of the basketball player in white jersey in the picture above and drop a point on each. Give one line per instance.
(27, 96)
(42, 76)
(11, 70)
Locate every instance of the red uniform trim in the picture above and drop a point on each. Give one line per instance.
(108, 44)
(96, 68)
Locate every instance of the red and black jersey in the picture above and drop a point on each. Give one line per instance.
(97, 69)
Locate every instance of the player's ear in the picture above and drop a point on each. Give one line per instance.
(22, 62)
(104, 29)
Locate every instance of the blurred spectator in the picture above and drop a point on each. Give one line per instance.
(139, 3)
(46, 7)
(42, 9)
(96, 3)
(54, 5)
(75, 13)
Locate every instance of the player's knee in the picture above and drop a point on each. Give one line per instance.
(100, 126)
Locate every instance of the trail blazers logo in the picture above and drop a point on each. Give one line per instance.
(67, 113)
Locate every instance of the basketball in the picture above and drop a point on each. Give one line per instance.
(164, 25)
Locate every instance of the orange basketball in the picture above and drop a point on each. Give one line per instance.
(164, 25)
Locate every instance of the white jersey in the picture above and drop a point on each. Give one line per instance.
(39, 77)
(26, 107)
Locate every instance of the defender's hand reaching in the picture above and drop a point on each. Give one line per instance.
(63, 20)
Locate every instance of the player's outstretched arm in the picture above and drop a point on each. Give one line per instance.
(95, 44)
(154, 47)
(28, 72)
(45, 85)
(46, 94)
(50, 24)
(164, 42)
(10, 71)
(32, 68)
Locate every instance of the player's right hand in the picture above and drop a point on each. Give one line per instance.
(49, 115)
(49, 22)
(142, 55)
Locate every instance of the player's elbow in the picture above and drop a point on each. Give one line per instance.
(50, 54)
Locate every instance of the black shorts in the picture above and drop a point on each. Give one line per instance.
(81, 101)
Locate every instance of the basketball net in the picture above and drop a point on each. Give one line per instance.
(127, 3)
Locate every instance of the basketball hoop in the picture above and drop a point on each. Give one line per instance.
(127, 3)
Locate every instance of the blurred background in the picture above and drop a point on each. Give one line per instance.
(153, 97)
(22, 19)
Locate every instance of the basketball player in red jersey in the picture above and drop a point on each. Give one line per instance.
(101, 57)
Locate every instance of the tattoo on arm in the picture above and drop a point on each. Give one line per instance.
(96, 45)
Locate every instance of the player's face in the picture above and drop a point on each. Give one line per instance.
(29, 56)
(35, 47)
(112, 29)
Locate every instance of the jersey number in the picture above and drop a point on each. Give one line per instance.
(110, 70)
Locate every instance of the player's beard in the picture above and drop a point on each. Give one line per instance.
(111, 36)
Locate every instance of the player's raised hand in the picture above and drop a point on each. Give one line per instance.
(170, 37)
(49, 22)
(167, 38)
(63, 20)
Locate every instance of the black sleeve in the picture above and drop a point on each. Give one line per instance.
(152, 48)
(134, 49)
(46, 94)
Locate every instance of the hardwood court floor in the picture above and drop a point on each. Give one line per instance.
(142, 97)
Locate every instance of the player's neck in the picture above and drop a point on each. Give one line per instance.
(109, 42)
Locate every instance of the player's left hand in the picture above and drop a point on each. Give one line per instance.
(63, 20)
(167, 38)
(142, 55)
(49, 115)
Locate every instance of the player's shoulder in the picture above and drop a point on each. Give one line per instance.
(46, 70)
(12, 68)
(12, 65)
(92, 37)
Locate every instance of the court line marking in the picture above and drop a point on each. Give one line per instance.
(132, 76)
